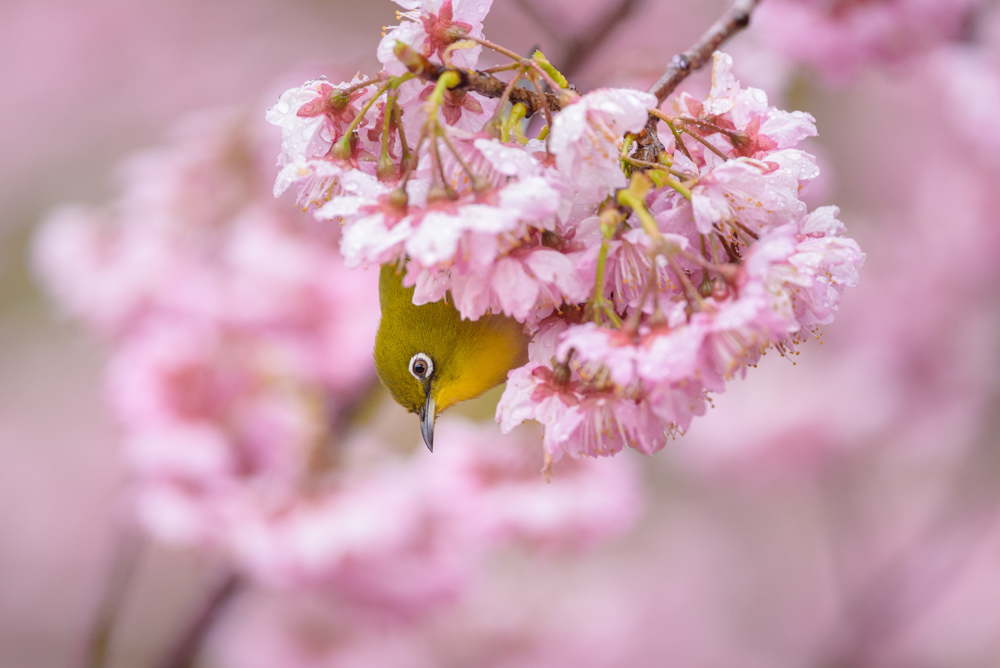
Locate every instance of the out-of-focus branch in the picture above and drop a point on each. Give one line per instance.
(530, 9)
(127, 549)
(575, 51)
(681, 65)
(184, 651)
(923, 570)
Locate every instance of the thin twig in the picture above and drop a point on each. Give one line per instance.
(184, 652)
(530, 8)
(578, 50)
(484, 84)
(683, 64)
(125, 558)
(575, 51)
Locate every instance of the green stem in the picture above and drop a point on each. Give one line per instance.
(545, 75)
(518, 112)
(653, 165)
(503, 99)
(678, 186)
(404, 147)
(344, 151)
(598, 302)
(660, 245)
(636, 203)
(451, 147)
(677, 138)
(545, 107)
(502, 68)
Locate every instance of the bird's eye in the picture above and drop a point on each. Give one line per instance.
(421, 366)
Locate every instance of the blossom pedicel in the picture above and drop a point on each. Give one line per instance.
(649, 274)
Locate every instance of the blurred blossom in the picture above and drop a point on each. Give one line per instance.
(409, 533)
(840, 38)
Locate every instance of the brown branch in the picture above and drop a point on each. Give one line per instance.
(478, 81)
(683, 64)
(184, 652)
(581, 48)
(576, 50)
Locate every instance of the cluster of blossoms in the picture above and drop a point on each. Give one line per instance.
(648, 272)
(241, 363)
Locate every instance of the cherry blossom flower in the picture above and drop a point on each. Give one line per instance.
(586, 138)
(315, 115)
(430, 27)
(758, 128)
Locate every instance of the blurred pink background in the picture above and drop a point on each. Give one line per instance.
(842, 511)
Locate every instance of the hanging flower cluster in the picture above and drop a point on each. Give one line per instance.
(649, 271)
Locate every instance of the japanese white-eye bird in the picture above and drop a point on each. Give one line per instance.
(430, 358)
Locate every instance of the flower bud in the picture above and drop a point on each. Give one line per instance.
(386, 169)
(398, 199)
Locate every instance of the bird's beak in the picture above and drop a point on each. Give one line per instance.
(427, 415)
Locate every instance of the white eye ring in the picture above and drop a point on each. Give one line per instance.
(421, 366)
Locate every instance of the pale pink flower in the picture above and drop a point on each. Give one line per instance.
(465, 111)
(213, 422)
(98, 271)
(237, 330)
(528, 284)
(315, 115)
(577, 419)
(470, 231)
(628, 264)
(405, 537)
(758, 128)
(318, 180)
(825, 262)
(587, 136)
(428, 28)
(756, 193)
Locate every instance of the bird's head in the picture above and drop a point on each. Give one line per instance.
(429, 358)
(411, 383)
